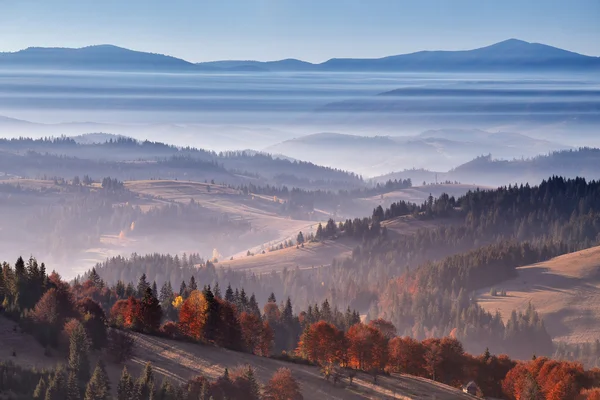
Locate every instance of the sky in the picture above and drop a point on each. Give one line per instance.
(311, 30)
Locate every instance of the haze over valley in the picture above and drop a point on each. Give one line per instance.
(411, 223)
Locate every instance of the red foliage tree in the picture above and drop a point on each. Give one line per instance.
(252, 327)
(266, 339)
(192, 316)
(367, 348)
(282, 386)
(118, 314)
(321, 343)
(407, 356)
(385, 327)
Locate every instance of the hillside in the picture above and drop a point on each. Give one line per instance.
(490, 170)
(435, 149)
(565, 291)
(180, 361)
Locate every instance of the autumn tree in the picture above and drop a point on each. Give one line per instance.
(385, 327)
(282, 386)
(192, 316)
(321, 343)
(367, 348)
(407, 356)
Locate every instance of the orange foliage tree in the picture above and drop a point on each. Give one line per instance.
(252, 327)
(192, 315)
(385, 327)
(322, 343)
(407, 356)
(282, 386)
(367, 348)
(545, 379)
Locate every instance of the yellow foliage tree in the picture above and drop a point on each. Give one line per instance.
(177, 302)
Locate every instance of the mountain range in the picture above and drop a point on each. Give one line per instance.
(509, 55)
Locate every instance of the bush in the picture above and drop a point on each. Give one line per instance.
(169, 330)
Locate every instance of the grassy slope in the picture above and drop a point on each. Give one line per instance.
(180, 361)
(565, 290)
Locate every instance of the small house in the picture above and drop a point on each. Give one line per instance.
(471, 388)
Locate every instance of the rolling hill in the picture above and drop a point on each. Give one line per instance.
(490, 171)
(564, 290)
(181, 361)
(435, 149)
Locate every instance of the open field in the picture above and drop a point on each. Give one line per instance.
(260, 211)
(179, 361)
(312, 255)
(419, 194)
(565, 290)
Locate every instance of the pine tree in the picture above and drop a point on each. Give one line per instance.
(183, 289)
(73, 390)
(192, 285)
(243, 301)
(319, 234)
(217, 291)
(229, 294)
(40, 390)
(272, 298)
(125, 386)
(253, 306)
(145, 383)
(165, 391)
(78, 353)
(154, 290)
(98, 388)
(254, 387)
(287, 314)
(57, 389)
(151, 312)
(213, 316)
(142, 285)
(300, 238)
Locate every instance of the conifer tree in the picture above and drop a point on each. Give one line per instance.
(145, 383)
(98, 388)
(213, 316)
(253, 306)
(142, 286)
(151, 312)
(73, 390)
(192, 285)
(217, 291)
(57, 389)
(125, 387)
(154, 290)
(40, 390)
(183, 289)
(254, 387)
(229, 294)
(78, 353)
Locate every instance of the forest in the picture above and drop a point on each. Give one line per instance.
(90, 316)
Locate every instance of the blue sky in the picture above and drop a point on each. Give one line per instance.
(312, 30)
